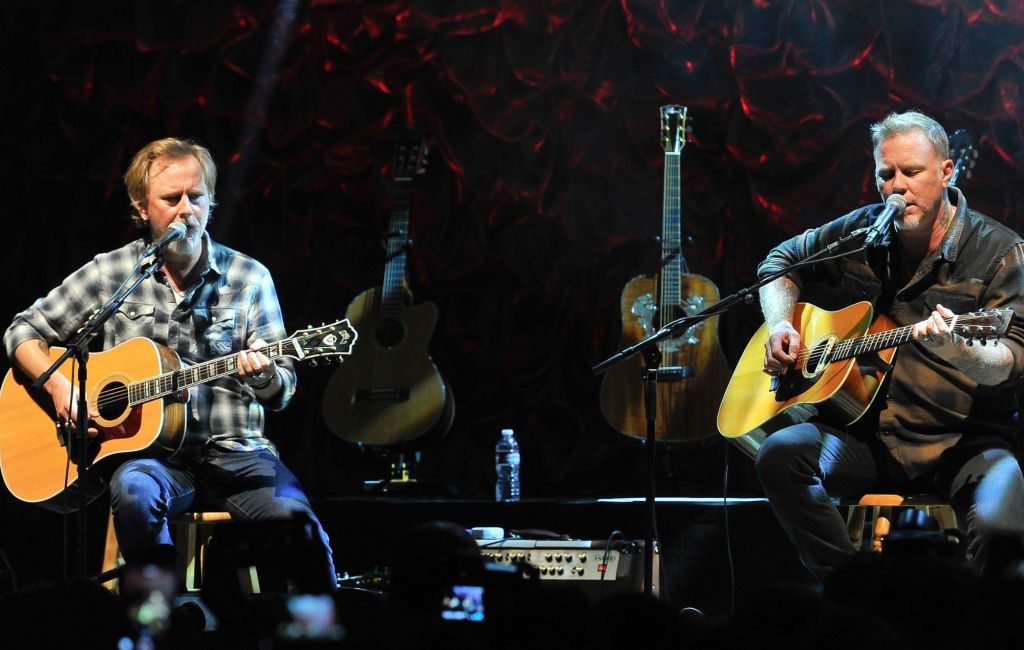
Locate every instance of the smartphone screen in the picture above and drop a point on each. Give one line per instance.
(463, 603)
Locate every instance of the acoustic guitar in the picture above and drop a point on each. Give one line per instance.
(964, 155)
(838, 372)
(391, 392)
(140, 389)
(748, 435)
(693, 372)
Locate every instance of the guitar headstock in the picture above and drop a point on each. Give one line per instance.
(673, 128)
(983, 326)
(963, 154)
(410, 156)
(330, 341)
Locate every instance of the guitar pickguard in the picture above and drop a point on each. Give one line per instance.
(793, 384)
(645, 310)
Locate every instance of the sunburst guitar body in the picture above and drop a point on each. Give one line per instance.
(693, 371)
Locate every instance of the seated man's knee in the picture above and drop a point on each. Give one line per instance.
(132, 485)
(999, 497)
(784, 449)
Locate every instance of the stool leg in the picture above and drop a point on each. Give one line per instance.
(883, 524)
(193, 559)
(248, 578)
(111, 553)
(945, 516)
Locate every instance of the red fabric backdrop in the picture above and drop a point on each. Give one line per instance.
(543, 190)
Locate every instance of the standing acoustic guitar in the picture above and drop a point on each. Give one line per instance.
(693, 372)
(391, 392)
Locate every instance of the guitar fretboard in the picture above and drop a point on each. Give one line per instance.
(976, 325)
(393, 300)
(874, 342)
(672, 261)
(183, 378)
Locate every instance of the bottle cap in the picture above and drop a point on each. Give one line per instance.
(506, 432)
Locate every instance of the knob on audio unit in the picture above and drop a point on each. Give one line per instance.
(590, 565)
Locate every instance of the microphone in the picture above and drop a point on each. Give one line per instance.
(895, 205)
(175, 231)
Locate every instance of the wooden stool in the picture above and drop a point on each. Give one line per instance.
(882, 506)
(192, 533)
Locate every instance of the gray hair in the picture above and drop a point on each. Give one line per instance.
(897, 123)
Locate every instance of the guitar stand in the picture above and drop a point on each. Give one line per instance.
(400, 475)
(401, 478)
(648, 348)
(652, 361)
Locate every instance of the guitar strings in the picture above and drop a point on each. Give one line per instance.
(119, 394)
(815, 354)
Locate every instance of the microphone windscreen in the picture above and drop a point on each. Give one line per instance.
(897, 202)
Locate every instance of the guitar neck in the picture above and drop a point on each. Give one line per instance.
(184, 378)
(672, 263)
(392, 301)
(878, 341)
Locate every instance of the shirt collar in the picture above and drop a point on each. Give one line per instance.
(215, 255)
(951, 240)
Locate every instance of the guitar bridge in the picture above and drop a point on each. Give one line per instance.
(675, 373)
(63, 432)
(382, 394)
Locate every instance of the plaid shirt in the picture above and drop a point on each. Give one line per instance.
(930, 405)
(232, 305)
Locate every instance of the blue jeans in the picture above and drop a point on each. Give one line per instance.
(251, 485)
(803, 466)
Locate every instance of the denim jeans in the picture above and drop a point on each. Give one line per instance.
(251, 485)
(802, 467)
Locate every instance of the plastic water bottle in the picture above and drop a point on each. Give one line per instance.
(506, 462)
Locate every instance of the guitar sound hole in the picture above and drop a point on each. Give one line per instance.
(112, 400)
(390, 333)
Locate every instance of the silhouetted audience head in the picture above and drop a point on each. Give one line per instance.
(430, 558)
(927, 601)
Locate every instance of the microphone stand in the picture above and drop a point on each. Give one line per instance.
(651, 354)
(77, 443)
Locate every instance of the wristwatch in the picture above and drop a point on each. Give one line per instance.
(262, 379)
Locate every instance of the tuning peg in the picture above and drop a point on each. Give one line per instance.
(313, 363)
(970, 342)
(984, 341)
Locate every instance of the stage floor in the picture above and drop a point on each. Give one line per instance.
(711, 551)
(699, 537)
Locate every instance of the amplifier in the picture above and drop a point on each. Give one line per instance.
(597, 567)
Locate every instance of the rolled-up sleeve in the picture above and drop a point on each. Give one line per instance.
(56, 316)
(266, 322)
(1004, 291)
